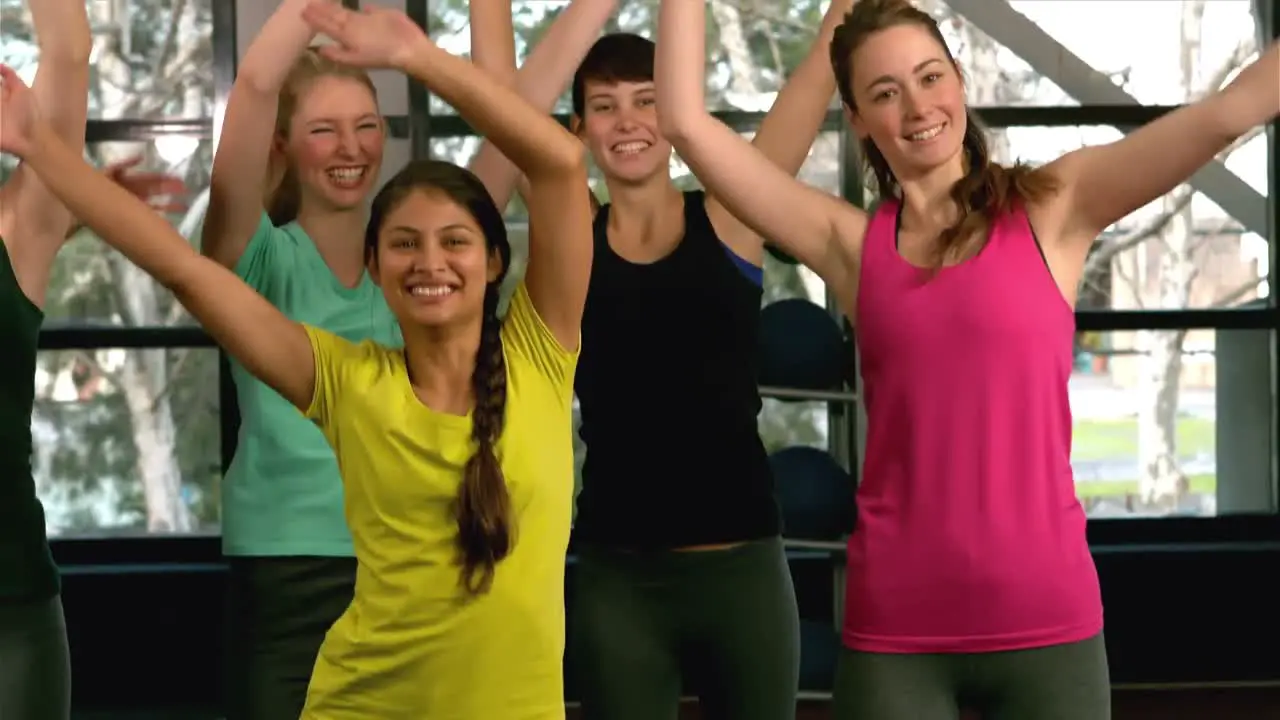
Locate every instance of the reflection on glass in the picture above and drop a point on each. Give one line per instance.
(1181, 251)
(148, 62)
(1172, 422)
(127, 441)
(1212, 38)
(786, 423)
(92, 284)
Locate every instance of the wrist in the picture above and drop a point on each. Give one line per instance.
(42, 139)
(415, 54)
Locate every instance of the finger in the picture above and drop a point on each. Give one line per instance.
(324, 18)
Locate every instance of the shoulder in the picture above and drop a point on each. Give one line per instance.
(272, 249)
(529, 344)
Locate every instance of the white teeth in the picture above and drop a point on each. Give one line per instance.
(346, 176)
(925, 134)
(430, 290)
(630, 148)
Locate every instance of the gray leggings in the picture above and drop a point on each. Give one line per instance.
(35, 666)
(1061, 682)
(719, 624)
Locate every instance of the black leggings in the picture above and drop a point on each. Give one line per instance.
(721, 624)
(35, 666)
(279, 609)
(1061, 682)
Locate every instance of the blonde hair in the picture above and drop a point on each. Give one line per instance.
(284, 194)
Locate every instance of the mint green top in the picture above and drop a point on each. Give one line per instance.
(282, 495)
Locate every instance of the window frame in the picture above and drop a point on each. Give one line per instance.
(420, 126)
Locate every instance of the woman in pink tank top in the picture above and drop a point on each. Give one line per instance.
(970, 581)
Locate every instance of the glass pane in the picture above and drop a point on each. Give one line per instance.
(753, 47)
(783, 424)
(92, 284)
(1173, 422)
(1181, 251)
(128, 441)
(1189, 48)
(148, 62)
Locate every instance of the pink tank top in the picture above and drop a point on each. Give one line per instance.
(969, 535)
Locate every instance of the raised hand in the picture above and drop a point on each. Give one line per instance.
(19, 117)
(160, 191)
(370, 38)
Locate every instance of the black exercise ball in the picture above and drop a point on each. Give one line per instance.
(815, 493)
(801, 347)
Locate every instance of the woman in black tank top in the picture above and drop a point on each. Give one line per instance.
(35, 670)
(681, 584)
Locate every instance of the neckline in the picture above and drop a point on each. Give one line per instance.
(460, 422)
(11, 275)
(896, 248)
(351, 293)
(602, 217)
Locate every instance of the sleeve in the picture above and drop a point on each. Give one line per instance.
(260, 260)
(526, 336)
(336, 360)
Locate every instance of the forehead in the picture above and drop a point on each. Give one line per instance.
(429, 212)
(594, 89)
(896, 52)
(336, 97)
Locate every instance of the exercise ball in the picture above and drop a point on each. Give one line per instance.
(819, 652)
(801, 347)
(816, 494)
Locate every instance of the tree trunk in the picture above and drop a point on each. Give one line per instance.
(1162, 484)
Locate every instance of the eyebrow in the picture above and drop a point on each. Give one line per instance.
(889, 78)
(644, 87)
(447, 228)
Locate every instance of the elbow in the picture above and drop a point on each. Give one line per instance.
(675, 125)
(569, 160)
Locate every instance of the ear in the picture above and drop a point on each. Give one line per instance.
(576, 126)
(855, 123)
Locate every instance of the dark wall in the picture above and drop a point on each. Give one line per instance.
(144, 636)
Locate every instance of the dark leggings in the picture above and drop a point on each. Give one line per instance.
(279, 609)
(1061, 682)
(721, 624)
(35, 666)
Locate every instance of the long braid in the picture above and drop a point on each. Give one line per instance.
(486, 531)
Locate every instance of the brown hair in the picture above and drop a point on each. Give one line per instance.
(486, 525)
(614, 58)
(987, 189)
(284, 195)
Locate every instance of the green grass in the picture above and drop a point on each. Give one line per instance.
(1200, 484)
(1114, 439)
(1107, 439)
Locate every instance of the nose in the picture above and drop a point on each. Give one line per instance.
(430, 257)
(348, 143)
(912, 103)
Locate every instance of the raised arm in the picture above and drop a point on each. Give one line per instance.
(788, 130)
(817, 229)
(551, 158)
(543, 77)
(269, 345)
(1103, 183)
(248, 127)
(31, 215)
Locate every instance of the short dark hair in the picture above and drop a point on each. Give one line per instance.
(615, 57)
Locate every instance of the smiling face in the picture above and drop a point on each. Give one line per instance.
(908, 99)
(620, 127)
(432, 261)
(334, 141)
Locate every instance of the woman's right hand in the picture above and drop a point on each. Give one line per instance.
(19, 117)
(369, 38)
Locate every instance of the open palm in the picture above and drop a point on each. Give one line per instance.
(18, 114)
(371, 38)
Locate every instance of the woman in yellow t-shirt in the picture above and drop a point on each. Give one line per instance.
(455, 453)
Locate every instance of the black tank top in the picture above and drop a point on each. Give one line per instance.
(27, 571)
(667, 389)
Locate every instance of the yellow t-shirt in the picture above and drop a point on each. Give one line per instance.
(413, 644)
